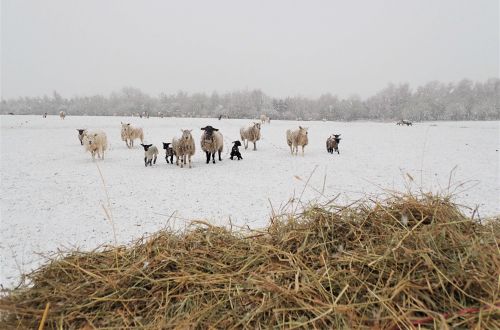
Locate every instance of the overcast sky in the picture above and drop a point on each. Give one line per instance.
(307, 48)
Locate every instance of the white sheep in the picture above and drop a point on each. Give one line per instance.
(211, 142)
(81, 133)
(250, 133)
(130, 133)
(297, 138)
(95, 142)
(150, 154)
(184, 148)
(62, 114)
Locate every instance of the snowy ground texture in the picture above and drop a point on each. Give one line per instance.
(52, 194)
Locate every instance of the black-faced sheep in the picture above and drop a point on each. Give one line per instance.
(332, 143)
(250, 133)
(130, 133)
(81, 133)
(235, 152)
(297, 138)
(169, 152)
(96, 142)
(150, 154)
(184, 147)
(211, 142)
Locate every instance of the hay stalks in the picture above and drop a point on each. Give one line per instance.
(404, 262)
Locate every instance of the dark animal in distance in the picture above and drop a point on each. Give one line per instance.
(404, 122)
(169, 152)
(332, 143)
(235, 152)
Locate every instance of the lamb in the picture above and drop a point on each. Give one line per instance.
(150, 154)
(211, 142)
(184, 147)
(62, 114)
(332, 143)
(130, 133)
(169, 152)
(235, 152)
(95, 142)
(81, 133)
(250, 133)
(297, 138)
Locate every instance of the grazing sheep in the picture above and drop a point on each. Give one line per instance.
(150, 154)
(184, 148)
(211, 142)
(81, 133)
(332, 143)
(235, 152)
(95, 142)
(250, 133)
(297, 138)
(130, 133)
(169, 152)
(62, 114)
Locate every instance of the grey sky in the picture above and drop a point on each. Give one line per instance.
(282, 47)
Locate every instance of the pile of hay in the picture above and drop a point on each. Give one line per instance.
(403, 262)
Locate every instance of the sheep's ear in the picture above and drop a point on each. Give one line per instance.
(203, 128)
(190, 130)
(300, 127)
(216, 129)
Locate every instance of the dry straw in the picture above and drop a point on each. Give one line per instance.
(404, 262)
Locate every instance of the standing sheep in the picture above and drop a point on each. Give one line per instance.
(150, 154)
(297, 138)
(169, 152)
(184, 148)
(211, 142)
(81, 133)
(130, 133)
(250, 133)
(332, 143)
(96, 142)
(62, 114)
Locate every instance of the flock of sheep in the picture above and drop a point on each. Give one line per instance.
(183, 147)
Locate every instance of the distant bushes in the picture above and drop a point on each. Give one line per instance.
(465, 100)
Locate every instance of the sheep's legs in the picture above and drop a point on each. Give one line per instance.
(302, 151)
(220, 159)
(255, 145)
(146, 161)
(207, 154)
(213, 157)
(154, 161)
(189, 159)
(245, 142)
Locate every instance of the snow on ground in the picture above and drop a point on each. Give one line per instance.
(52, 193)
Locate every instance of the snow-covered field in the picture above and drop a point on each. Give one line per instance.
(52, 194)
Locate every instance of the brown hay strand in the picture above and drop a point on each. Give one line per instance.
(403, 262)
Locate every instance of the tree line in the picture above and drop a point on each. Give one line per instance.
(464, 100)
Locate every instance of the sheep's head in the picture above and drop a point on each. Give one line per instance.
(186, 134)
(256, 125)
(90, 139)
(146, 146)
(166, 145)
(81, 131)
(303, 130)
(237, 143)
(125, 126)
(209, 130)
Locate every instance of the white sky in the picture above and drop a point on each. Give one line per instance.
(85, 47)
